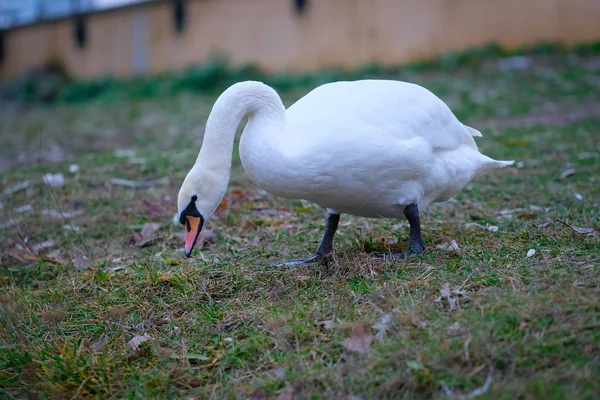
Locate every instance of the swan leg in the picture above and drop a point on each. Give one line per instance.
(331, 223)
(416, 245)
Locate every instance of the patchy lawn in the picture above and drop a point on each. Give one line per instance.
(97, 299)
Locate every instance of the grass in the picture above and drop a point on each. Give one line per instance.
(226, 325)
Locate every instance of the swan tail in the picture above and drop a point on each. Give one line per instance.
(474, 132)
(502, 164)
(489, 164)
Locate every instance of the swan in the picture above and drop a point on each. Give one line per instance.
(372, 148)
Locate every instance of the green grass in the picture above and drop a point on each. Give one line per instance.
(226, 325)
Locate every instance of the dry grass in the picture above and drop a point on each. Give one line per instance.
(226, 325)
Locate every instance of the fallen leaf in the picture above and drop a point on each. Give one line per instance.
(100, 343)
(140, 184)
(259, 394)
(382, 325)
(70, 227)
(11, 222)
(568, 172)
(544, 223)
(414, 365)
(64, 214)
(509, 212)
(81, 263)
(16, 188)
(205, 236)
(287, 394)
(527, 215)
(582, 230)
(530, 253)
(360, 341)
(326, 324)
(452, 246)
(417, 322)
(24, 209)
(125, 153)
(222, 207)
(476, 226)
(55, 180)
(54, 315)
(135, 343)
(578, 229)
(279, 372)
(149, 228)
(44, 245)
(113, 269)
(446, 293)
(143, 238)
(454, 329)
(271, 212)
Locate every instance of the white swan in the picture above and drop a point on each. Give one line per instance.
(373, 148)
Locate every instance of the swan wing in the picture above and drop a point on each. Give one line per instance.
(359, 111)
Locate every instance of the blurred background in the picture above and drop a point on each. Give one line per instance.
(96, 38)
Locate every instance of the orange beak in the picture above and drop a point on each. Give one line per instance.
(193, 227)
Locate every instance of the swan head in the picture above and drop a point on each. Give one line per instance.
(198, 198)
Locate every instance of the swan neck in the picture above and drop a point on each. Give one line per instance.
(253, 99)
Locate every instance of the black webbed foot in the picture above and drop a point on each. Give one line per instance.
(301, 261)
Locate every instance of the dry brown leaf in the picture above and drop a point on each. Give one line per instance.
(259, 394)
(54, 315)
(287, 394)
(149, 228)
(135, 343)
(527, 215)
(143, 238)
(360, 341)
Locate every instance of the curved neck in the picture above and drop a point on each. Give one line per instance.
(255, 99)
